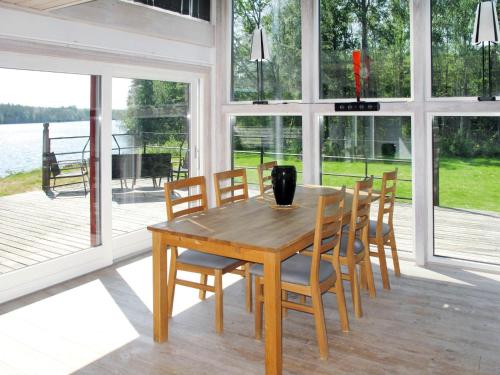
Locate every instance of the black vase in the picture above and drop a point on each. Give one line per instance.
(284, 178)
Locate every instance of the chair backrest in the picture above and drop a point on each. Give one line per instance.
(359, 224)
(263, 169)
(386, 201)
(328, 231)
(188, 184)
(54, 165)
(227, 194)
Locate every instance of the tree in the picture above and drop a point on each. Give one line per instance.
(157, 112)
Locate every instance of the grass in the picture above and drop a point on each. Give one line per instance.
(464, 183)
(21, 182)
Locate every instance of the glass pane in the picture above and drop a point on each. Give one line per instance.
(194, 8)
(259, 139)
(381, 30)
(356, 147)
(49, 169)
(456, 63)
(282, 72)
(150, 147)
(466, 190)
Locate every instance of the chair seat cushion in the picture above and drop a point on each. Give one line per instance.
(297, 270)
(373, 228)
(197, 258)
(358, 245)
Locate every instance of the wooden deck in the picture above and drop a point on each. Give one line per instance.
(437, 320)
(35, 228)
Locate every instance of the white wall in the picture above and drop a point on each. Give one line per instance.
(25, 26)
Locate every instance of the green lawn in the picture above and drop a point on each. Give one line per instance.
(21, 182)
(464, 183)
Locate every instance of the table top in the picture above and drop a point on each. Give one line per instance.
(254, 223)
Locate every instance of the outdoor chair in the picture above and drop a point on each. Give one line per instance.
(68, 169)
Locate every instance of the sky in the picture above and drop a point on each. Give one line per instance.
(42, 89)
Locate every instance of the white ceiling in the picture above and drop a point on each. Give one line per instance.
(44, 4)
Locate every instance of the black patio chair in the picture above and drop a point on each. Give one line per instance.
(68, 169)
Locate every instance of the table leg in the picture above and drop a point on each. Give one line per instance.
(272, 313)
(160, 300)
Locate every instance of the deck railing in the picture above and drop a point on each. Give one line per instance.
(144, 144)
(265, 139)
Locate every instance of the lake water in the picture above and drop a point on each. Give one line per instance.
(21, 144)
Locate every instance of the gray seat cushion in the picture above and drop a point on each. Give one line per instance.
(197, 258)
(373, 228)
(358, 245)
(297, 270)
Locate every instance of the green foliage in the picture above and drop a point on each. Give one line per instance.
(381, 30)
(21, 114)
(157, 111)
(467, 136)
(282, 73)
(456, 63)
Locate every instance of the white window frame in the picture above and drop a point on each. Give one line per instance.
(421, 106)
(17, 283)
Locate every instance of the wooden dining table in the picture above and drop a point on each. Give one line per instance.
(254, 231)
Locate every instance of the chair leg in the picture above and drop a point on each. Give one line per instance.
(172, 275)
(356, 297)
(258, 308)
(248, 288)
(284, 297)
(394, 250)
(319, 320)
(369, 274)
(203, 281)
(219, 315)
(341, 305)
(383, 264)
(363, 282)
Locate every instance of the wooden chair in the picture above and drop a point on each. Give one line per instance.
(382, 233)
(192, 260)
(311, 275)
(261, 169)
(226, 194)
(354, 246)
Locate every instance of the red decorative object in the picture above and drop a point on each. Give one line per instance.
(356, 60)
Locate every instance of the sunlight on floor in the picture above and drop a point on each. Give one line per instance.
(63, 333)
(138, 276)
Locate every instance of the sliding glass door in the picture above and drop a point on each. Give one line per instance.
(49, 166)
(150, 146)
(466, 193)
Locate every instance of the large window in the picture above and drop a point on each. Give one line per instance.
(456, 63)
(194, 8)
(49, 166)
(150, 146)
(282, 72)
(381, 30)
(356, 147)
(466, 187)
(259, 139)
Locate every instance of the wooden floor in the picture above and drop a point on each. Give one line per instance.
(433, 321)
(35, 228)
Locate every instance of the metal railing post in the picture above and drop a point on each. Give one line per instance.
(45, 159)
